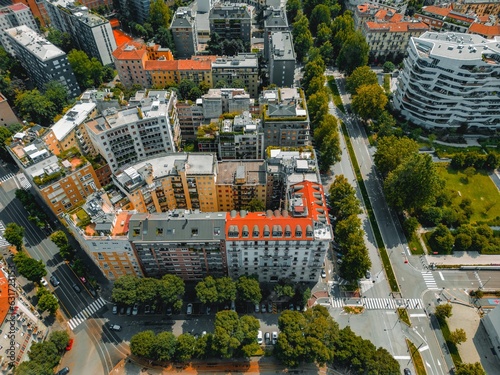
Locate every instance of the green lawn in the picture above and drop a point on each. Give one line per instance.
(416, 358)
(335, 94)
(480, 189)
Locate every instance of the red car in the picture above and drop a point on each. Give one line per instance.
(70, 345)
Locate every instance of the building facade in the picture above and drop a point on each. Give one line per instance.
(13, 16)
(226, 100)
(43, 61)
(91, 32)
(284, 118)
(190, 119)
(451, 80)
(274, 21)
(241, 68)
(7, 115)
(184, 33)
(232, 21)
(281, 59)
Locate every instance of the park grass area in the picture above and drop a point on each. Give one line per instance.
(337, 100)
(445, 151)
(404, 317)
(455, 355)
(415, 246)
(393, 283)
(416, 358)
(478, 188)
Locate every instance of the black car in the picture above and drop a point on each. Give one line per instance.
(407, 371)
(76, 288)
(63, 371)
(54, 281)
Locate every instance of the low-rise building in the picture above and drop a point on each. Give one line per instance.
(7, 115)
(189, 245)
(284, 118)
(226, 100)
(274, 21)
(190, 119)
(241, 68)
(12, 16)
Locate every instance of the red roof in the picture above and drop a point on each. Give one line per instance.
(440, 11)
(130, 51)
(121, 37)
(486, 31)
(4, 297)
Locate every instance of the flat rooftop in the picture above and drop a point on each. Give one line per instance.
(71, 119)
(35, 43)
(254, 171)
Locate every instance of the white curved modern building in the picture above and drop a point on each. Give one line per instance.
(451, 80)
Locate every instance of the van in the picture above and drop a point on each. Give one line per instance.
(259, 337)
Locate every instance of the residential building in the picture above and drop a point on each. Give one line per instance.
(288, 244)
(61, 183)
(190, 118)
(70, 131)
(281, 59)
(284, 118)
(232, 21)
(89, 31)
(491, 324)
(184, 32)
(182, 243)
(274, 21)
(138, 10)
(450, 80)
(486, 31)
(480, 8)
(43, 61)
(204, 6)
(102, 98)
(153, 66)
(129, 135)
(7, 116)
(241, 68)
(12, 16)
(226, 100)
(239, 182)
(37, 7)
(102, 233)
(180, 180)
(447, 18)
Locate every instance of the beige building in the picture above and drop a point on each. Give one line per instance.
(7, 116)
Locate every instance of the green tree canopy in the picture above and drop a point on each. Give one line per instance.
(232, 333)
(356, 262)
(249, 289)
(255, 205)
(57, 93)
(14, 234)
(458, 336)
(35, 107)
(206, 290)
(362, 75)
(147, 289)
(59, 238)
(60, 339)
(47, 301)
(319, 15)
(125, 290)
(33, 368)
(413, 184)
(171, 288)
(292, 9)
(470, 369)
(28, 267)
(226, 289)
(442, 240)
(160, 15)
(88, 71)
(141, 344)
(164, 345)
(302, 37)
(392, 151)
(369, 101)
(45, 353)
(185, 346)
(443, 311)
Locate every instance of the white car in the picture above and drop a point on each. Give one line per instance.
(189, 310)
(135, 310)
(44, 282)
(274, 336)
(260, 339)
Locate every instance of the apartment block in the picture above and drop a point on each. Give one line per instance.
(281, 59)
(12, 16)
(290, 244)
(43, 61)
(184, 32)
(190, 119)
(274, 21)
(126, 136)
(70, 131)
(189, 245)
(226, 100)
(37, 7)
(102, 233)
(89, 31)
(232, 21)
(239, 182)
(7, 116)
(61, 182)
(284, 118)
(138, 10)
(450, 80)
(481, 8)
(243, 67)
(180, 180)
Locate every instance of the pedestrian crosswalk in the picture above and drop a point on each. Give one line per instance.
(380, 303)
(6, 177)
(429, 280)
(3, 241)
(86, 313)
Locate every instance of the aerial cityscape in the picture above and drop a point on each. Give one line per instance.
(249, 187)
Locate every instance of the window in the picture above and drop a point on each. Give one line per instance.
(194, 231)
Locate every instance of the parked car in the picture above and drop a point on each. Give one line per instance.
(169, 311)
(135, 310)
(339, 261)
(368, 274)
(323, 274)
(122, 310)
(290, 307)
(129, 310)
(233, 306)
(189, 310)
(63, 371)
(269, 307)
(115, 309)
(257, 308)
(407, 371)
(115, 327)
(43, 282)
(259, 337)
(76, 288)
(275, 337)
(267, 338)
(147, 309)
(70, 345)
(209, 310)
(263, 308)
(54, 281)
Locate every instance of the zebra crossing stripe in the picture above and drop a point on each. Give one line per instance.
(383, 303)
(429, 280)
(6, 177)
(86, 313)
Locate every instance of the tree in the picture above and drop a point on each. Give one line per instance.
(443, 311)
(362, 75)
(302, 37)
(214, 44)
(28, 267)
(317, 105)
(60, 39)
(470, 369)
(171, 289)
(284, 290)
(469, 172)
(319, 15)
(326, 51)
(60, 339)
(330, 150)
(249, 289)
(410, 226)
(463, 242)
(142, 343)
(458, 336)
(59, 238)
(33, 368)
(88, 72)
(185, 87)
(147, 289)
(347, 226)
(255, 205)
(125, 290)
(231, 333)
(292, 8)
(159, 15)
(14, 234)
(45, 353)
(184, 349)
(414, 183)
(369, 101)
(57, 93)
(442, 240)
(206, 290)
(392, 151)
(385, 125)
(323, 35)
(354, 52)
(35, 107)
(164, 38)
(389, 67)
(226, 289)
(47, 301)
(163, 347)
(355, 263)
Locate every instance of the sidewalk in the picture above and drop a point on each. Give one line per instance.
(465, 258)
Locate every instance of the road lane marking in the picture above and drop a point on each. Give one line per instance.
(402, 357)
(441, 274)
(423, 348)
(417, 315)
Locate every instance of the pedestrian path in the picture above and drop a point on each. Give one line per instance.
(429, 280)
(6, 177)
(3, 241)
(382, 303)
(86, 313)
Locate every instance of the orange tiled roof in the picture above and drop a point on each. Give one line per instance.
(395, 27)
(488, 31)
(440, 11)
(4, 297)
(114, 22)
(381, 14)
(136, 53)
(398, 17)
(174, 65)
(121, 37)
(118, 228)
